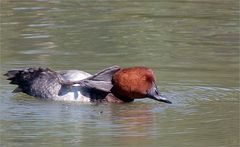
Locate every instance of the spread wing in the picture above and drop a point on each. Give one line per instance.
(100, 81)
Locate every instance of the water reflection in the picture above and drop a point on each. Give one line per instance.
(119, 125)
(193, 47)
(136, 121)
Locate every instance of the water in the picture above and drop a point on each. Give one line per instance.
(193, 47)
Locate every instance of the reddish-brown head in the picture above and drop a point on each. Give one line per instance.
(136, 82)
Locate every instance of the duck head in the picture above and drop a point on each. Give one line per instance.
(134, 83)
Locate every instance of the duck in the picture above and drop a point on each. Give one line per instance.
(110, 85)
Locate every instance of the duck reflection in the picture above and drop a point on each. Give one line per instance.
(132, 123)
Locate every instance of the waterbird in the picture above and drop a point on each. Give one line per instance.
(113, 84)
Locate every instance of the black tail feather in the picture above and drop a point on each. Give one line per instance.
(11, 74)
(23, 77)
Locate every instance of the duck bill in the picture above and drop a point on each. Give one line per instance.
(159, 98)
(154, 94)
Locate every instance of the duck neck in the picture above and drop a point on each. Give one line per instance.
(116, 96)
(112, 98)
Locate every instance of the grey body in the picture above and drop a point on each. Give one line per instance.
(70, 85)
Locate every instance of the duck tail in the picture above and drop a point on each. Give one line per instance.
(22, 77)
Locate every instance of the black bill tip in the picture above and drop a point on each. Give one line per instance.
(160, 99)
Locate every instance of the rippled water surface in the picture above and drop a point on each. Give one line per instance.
(192, 45)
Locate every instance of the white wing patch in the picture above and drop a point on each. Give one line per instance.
(74, 75)
(73, 93)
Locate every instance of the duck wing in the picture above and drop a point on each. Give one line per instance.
(101, 81)
(73, 75)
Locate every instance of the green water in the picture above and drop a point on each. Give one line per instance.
(193, 47)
